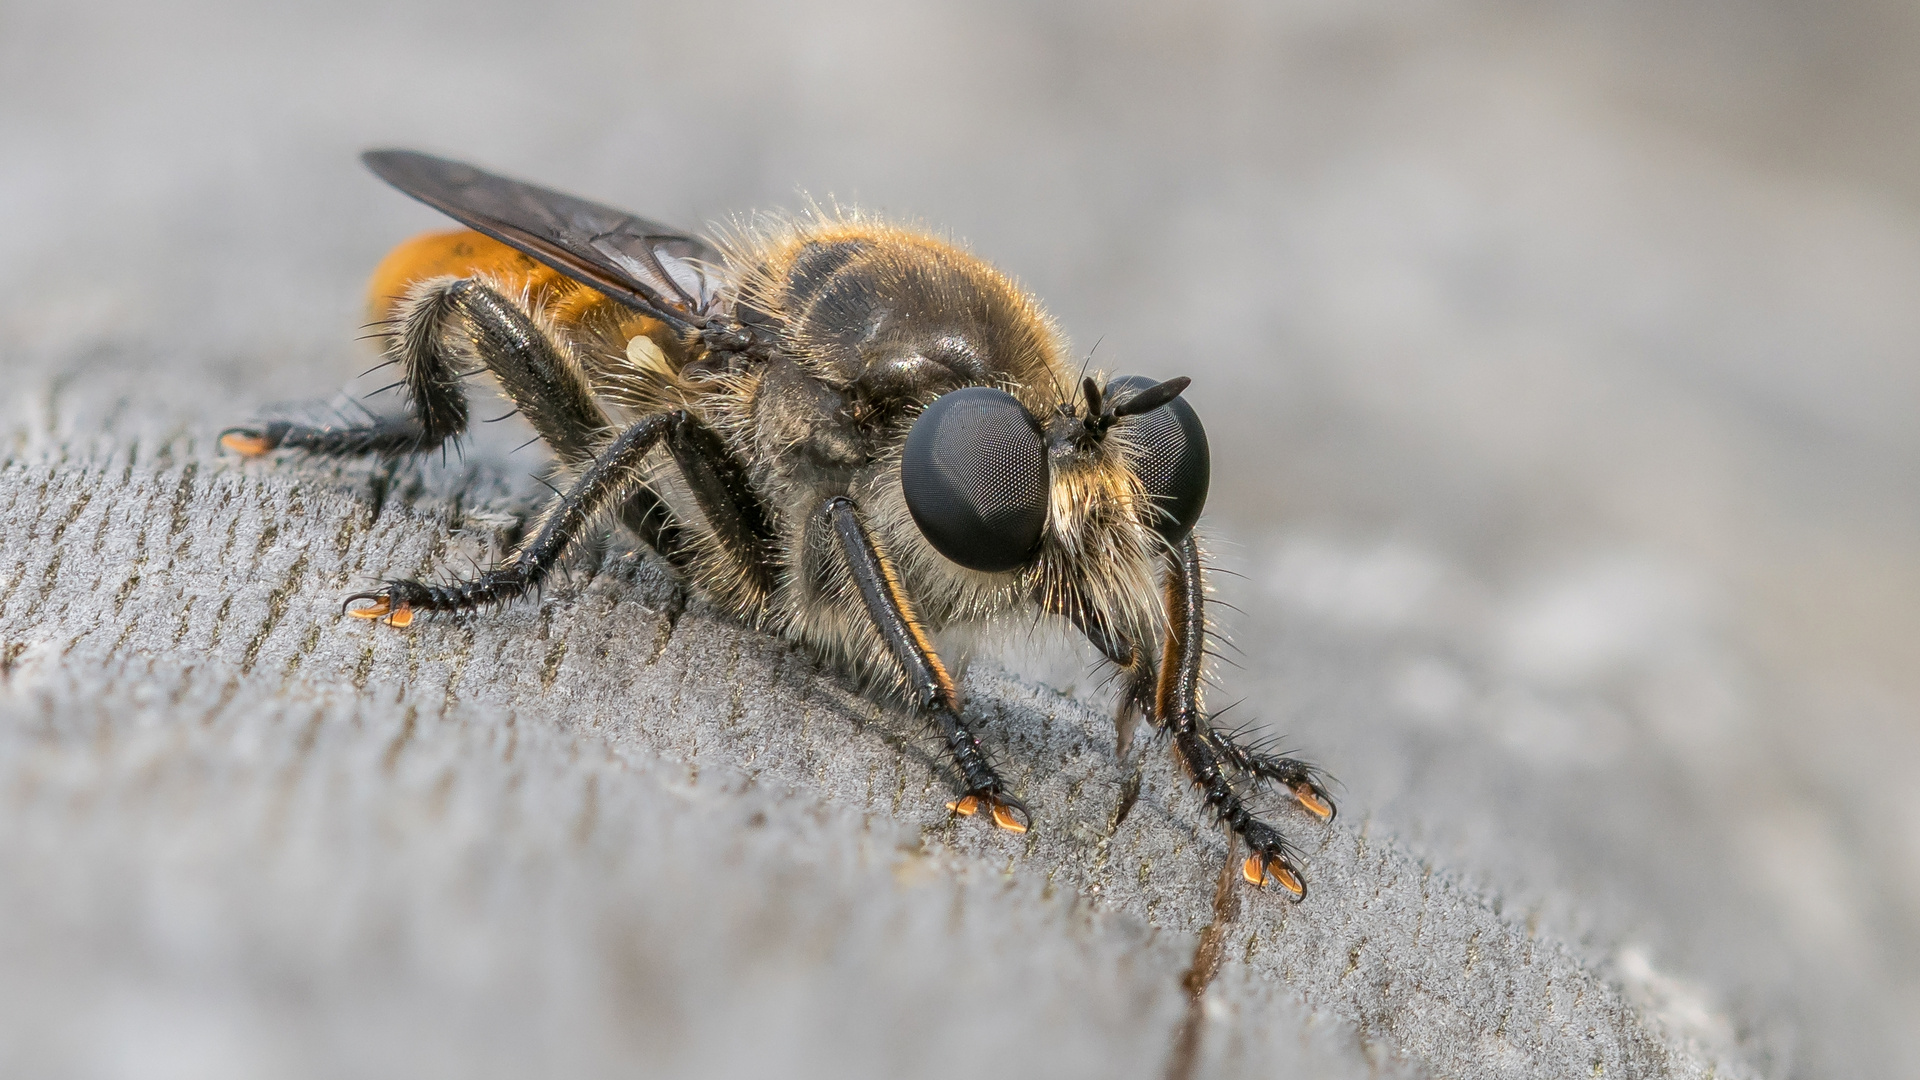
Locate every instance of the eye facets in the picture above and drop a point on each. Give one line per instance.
(974, 472)
(1170, 457)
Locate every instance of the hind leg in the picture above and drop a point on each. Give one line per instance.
(449, 329)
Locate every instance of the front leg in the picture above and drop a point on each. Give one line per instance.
(927, 679)
(1210, 756)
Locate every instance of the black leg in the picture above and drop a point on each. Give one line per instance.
(615, 478)
(611, 480)
(1210, 755)
(927, 679)
(1304, 782)
(650, 519)
(387, 437)
(1137, 671)
(455, 325)
(739, 520)
(445, 333)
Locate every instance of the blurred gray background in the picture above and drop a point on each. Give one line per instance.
(1558, 359)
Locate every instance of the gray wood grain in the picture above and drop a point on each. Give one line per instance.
(303, 839)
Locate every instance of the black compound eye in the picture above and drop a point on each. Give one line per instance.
(1170, 456)
(975, 476)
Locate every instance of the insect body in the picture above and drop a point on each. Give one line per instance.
(850, 434)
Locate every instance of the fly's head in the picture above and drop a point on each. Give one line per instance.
(1081, 505)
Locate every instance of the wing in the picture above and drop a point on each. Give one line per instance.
(660, 271)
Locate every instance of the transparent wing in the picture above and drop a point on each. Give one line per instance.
(664, 272)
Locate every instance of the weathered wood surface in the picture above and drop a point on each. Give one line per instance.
(554, 835)
(1567, 455)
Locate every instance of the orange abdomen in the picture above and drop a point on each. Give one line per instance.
(465, 253)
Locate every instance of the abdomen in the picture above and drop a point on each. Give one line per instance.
(464, 253)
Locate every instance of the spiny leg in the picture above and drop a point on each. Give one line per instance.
(610, 480)
(615, 478)
(927, 679)
(445, 327)
(1208, 754)
(453, 323)
(1304, 781)
(1135, 665)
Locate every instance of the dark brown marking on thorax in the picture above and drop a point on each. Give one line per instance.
(894, 322)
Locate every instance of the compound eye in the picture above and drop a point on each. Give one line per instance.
(1170, 457)
(975, 477)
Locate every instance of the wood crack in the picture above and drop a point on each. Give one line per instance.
(1208, 954)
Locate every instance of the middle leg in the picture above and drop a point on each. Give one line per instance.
(611, 480)
(738, 522)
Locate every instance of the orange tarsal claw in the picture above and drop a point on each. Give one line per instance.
(1256, 871)
(1003, 817)
(401, 616)
(1253, 871)
(372, 611)
(1311, 799)
(1286, 878)
(245, 445)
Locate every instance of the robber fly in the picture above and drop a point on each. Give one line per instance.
(873, 436)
